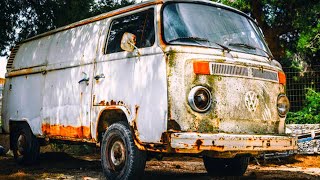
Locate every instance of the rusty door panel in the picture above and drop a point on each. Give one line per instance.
(68, 104)
(131, 83)
(136, 84)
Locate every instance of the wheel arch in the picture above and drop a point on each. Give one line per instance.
(14, 124)
(109, 116)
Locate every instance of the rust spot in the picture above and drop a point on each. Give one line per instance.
(21, 72)
(66, 131)
(199, 142)
(102, 103)
(173, 125)
(137, 109)
(113, 102)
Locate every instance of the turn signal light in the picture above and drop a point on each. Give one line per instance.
(282, 78)
(201, 67)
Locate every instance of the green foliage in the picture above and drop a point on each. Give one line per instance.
(310, 114)
(291, 28)
(23, 19)
(309, 42)
(8, 16)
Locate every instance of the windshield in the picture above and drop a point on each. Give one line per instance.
(210, 26)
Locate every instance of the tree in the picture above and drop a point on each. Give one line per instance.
(9, 13)
(21, 19)
(290, 27)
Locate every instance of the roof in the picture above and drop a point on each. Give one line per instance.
(123, 10)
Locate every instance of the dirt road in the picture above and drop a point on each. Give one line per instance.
(64, 166)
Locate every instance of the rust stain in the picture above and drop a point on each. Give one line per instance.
(21, 72)
(66, 131)
(199, 142)
(109, 103)
(113, 102)
(2, 81)
(102, 103)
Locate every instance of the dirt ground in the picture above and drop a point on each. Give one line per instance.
(59, 165)
(83, 162)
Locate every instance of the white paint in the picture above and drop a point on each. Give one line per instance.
(53, 95)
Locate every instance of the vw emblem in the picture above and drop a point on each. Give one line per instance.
(251, 101)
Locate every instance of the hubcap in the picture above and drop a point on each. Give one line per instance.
(117, 154)
(21, 144)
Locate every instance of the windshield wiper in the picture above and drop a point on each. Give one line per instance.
(252, 47)
(188, 38)
(200, 39)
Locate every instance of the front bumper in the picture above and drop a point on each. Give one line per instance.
(231, 143)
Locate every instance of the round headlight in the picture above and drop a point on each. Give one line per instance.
(199, 99)
(283, 105)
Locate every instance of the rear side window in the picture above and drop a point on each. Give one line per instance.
(140, 24)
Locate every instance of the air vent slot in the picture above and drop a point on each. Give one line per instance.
(242, 71)
(11, 57)
(265, 74)
(224, 69)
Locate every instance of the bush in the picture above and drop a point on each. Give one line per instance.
(310, 114)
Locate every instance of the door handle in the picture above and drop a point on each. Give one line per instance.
(84, 80)
(97, 77)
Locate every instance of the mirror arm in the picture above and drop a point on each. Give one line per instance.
(135, 47)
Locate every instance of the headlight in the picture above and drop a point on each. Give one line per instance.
(283, 105)
(199, 99)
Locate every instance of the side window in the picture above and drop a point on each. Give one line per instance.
(140, 24)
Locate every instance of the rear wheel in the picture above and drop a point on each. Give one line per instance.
(25, 145)
(226, 167)
(120, 158)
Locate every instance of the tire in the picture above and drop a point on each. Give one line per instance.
(120, 158)
(226, 167)
(25, 145)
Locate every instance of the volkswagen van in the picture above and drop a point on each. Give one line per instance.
(162, 77)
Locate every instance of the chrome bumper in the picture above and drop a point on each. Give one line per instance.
(221, 142)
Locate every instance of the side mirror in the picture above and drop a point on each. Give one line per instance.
(128, 42)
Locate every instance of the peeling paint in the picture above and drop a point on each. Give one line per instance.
(228, 112)
(171, 56)
(66, 131)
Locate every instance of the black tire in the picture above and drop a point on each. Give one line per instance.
(120, 158)
(226, 167)
(25, 145)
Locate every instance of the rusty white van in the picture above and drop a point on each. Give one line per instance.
(157, 78)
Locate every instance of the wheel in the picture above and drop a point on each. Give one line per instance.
(25, 145)
(120, 158)
(226, 167)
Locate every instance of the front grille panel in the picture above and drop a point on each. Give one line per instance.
(224, 69)
(242, 71)
(263, 74)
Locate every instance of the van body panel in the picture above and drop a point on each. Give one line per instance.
(141, 86)
(141, 89)
(22, 101)
(33, 53)
(229, 112)
(69, 105)
(224, 145)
